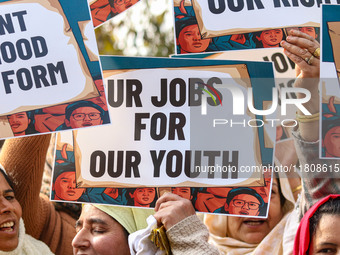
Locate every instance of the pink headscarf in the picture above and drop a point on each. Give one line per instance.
(303, 239)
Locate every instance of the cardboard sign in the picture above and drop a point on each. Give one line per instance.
(223, 25)
(225, 17)
(208, 199)
(284, 70)
(156, 106)
(330, 56)
(45, 64)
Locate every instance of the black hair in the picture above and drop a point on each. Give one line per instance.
(30, 127)
(184, 22)
(9, 181)
(63, 168)
(70, 108)
(112, 3)
(331, 207)
(328, 125)
(243, 190)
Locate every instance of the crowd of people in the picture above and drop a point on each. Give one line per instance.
(30, 224)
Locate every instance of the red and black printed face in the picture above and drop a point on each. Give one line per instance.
(84, 117)
(143, 196)
(253, 230)
(182, 192)
(19, 123)
(244, 204)
(309, 31)
(241, 39)
(190, 40)
(331, 142)
(271, 38)
(118, 6)
(65, 187)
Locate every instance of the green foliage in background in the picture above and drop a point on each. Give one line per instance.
(146, 29)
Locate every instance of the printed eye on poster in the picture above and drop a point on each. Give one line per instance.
(50, 71)
(178, 125)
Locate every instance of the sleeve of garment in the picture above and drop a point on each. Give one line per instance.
(23, 160)
(189, 237)
(319, 176)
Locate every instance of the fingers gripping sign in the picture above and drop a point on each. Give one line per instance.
(171, 209)
(301, 48)
(304, 51)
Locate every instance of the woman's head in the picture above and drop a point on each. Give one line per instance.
(253, 230)
(319, 229)
(99, 233)
(104, 229)
(10, 214)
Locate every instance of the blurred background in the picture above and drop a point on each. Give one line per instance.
(145, 29)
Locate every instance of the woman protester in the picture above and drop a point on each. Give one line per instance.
(274, 235)
(23, 160)
(105, 229)
(319, 229)
(97, 227)
(13, 239)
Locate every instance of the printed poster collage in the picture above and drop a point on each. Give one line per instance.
(132, 128)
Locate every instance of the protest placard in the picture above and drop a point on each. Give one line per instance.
(154, 143)
(284, 70)
(204, 199)
(222, 25)
(46, 64)
(330, 86)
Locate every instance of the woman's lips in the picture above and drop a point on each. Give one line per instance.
(8, 228)
(254, 222)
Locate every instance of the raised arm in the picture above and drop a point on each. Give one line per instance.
(304, 51)
(24, 159)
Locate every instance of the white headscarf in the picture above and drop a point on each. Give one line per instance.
(271, 244)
